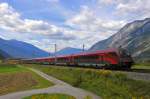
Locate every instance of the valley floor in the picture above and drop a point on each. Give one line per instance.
(104, 83)
(14, 78)
(59, 87)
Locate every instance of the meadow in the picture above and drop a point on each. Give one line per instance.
(15, 78)
(105, 83)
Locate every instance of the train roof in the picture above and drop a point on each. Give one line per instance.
(81, 53)
(96, 52)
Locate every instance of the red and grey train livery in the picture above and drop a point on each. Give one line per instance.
(109, 58)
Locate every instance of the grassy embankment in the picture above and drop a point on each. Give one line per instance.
(141, 68)
(50, 96)
(104, 83)
(14, 78)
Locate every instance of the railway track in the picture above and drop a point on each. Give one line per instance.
(137, 75)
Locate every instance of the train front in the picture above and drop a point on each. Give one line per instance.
(125, 59)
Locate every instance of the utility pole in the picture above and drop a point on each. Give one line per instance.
(55, 48)
(83, 47)
(55, 45)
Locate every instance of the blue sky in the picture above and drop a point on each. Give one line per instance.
(68, 23)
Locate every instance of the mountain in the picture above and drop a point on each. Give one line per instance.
(18, 49)
(134, 36)
(3, 55)
(68, 50)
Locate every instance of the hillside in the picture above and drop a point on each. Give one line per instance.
(134, 37)
(4, 55)
(18, 49)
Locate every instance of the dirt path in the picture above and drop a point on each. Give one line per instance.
(59, 87)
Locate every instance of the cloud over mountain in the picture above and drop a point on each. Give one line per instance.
(67, 23)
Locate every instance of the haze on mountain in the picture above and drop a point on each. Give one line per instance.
(19, 49)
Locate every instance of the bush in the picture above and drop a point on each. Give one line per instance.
(87, 97)
(78, 80)
(105, 73)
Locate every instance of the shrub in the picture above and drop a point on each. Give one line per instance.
(78, 80)
(105, 73)
(87, 97)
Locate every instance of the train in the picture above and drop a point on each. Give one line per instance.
(113, 58)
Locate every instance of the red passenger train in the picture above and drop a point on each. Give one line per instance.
(109, 58)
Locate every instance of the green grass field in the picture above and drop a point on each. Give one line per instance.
(6, 68)
(14, 78)
(50, 96)
(104, 83)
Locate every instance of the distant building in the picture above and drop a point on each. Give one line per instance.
(12, 61)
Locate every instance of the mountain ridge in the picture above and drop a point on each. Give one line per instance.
(18, 49)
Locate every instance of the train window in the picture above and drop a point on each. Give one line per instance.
(87, 58)
(112, 54)
(62, 59)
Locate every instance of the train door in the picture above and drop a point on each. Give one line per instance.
(101, 60)
(69, 60)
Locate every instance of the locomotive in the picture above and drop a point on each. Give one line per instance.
(109, 58)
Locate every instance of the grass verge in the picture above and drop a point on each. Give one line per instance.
(50, 96)
(141, 68)
(104, 83)
(10, 68)
(14, 78)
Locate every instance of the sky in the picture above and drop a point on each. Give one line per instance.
(67, 23)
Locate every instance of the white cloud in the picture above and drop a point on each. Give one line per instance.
(87, 23)
(10, 20)
(126, 9)
(53, 1)
(110, 2)
(138, 8)
(106, 2)
(90, 28)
